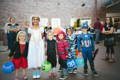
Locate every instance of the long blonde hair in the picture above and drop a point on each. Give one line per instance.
(20, 32)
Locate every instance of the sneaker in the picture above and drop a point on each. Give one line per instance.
(51, 74)
(95, 73)
(55, 74)
(38, 74)
(75, 71)
(66, 76)
(111, 61)
(34, 75)
(62, 77)
(85, 72)
(60, 70)
(16, 78)
(106, 58)
(25, 77)
(70, 71)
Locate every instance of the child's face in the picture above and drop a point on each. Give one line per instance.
(21, 37)
(60, 36)
(84, 30)
(35, 21)
(107, 20)
(50, 36)
(69, 32)
(12, 20)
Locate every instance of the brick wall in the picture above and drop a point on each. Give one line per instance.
(63, 9)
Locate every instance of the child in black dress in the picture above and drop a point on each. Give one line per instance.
(109, 40)
(51, 52)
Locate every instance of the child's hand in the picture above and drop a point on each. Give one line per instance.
(66, 56)
(80, 54)
(46, 57)
(14, 29)
(56, 56)
(9, 58)
(17, 29)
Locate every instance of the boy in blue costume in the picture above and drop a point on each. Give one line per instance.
(85, 44)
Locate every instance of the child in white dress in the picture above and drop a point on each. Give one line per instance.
(36, 54)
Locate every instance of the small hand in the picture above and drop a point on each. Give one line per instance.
(17, 29)
(9, 58)
(46, 57)
(80, 54)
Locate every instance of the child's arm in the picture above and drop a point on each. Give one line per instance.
(46, 48)
(66, 47)
(27, 47)
(10, 29)
(108, 32)
(56, 48)
(42, 32)
(111, 30)
(29, 32)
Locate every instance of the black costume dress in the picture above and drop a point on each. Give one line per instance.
(109, 41)
(51, 52)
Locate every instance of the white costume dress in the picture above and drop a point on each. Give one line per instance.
(36, 53)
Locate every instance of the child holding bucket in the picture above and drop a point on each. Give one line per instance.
(71, 38)
(62, 50)
(36, 53)
(85, 44)
(51, 52)
(19, 53)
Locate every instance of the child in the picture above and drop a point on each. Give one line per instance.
(19, 53)
(51, 51)
(71, 38)
(46, 29)
(109, 40)
(62, 50)
(85, 44)
(36, 52)
(11, 29)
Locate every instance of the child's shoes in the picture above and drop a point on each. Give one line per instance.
(111, 60)
(55, 74)
(85, 72)
(62, 77)
(70, 71)
(16, 78)
(75, 71)
(34, 75)
(25, 77)
(95, 73)
(38, 74)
